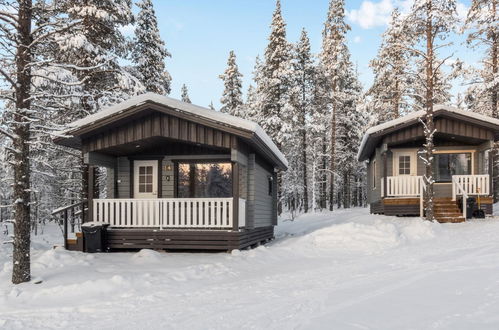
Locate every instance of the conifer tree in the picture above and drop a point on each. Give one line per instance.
(301, 104)
(211, 106)
(391, 80)
(484, 31)
(232, 98)
(273, 84)
(334, 64)
(185, 94)
(428, 23)
(149, 51)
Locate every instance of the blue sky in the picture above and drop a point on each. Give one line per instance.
(200, 33)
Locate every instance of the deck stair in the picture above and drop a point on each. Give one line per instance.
(447, 210)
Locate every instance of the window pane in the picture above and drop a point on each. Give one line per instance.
(142, 188)
(142, 170)
(142, 179)
(149, 170)
(149, 179)
(447, 165)
(405, 165)
(205, 180)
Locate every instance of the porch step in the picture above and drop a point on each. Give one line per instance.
(450, 219)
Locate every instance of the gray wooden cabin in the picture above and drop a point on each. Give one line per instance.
(462, 164)
(178, 176)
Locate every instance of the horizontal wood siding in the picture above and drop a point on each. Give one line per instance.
(123, 177)
(119, 239)
(159, 125)
(167, 186)
(262, 199)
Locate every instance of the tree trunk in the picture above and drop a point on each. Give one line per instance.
(21, 254)
(346, 190)
(430, 127)
(493, 99)
(324, 175)
(304, 170)
(332, 163)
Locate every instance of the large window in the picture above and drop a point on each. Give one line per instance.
(447, 165)
(204, 180)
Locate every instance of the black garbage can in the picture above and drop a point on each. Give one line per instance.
(95, 235)
(470, 206)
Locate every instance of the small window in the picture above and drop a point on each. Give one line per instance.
(374, 174)
(271, 185)
(404, 165)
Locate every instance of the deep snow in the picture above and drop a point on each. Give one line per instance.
(341, 270)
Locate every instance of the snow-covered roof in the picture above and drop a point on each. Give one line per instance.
(414, 117)
(180, 106)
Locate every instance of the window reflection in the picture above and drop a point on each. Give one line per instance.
(204, 180)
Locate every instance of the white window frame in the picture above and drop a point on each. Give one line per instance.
(136, 165)
(414, 162)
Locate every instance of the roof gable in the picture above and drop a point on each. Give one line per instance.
(150, 101)
(375, 134)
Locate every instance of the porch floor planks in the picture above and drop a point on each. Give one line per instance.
(173, 239)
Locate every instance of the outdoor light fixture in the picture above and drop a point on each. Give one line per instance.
(168, 167)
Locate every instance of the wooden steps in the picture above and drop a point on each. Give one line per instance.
(447, 211)
(75, 244)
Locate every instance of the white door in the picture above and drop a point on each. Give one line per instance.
(404, 163)
(145, 179)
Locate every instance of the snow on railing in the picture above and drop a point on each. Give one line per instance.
(165, 212)
(478, 184)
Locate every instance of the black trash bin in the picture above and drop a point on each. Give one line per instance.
(470, 205)
(95, 236)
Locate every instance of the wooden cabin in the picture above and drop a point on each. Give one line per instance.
(178, 176)
(462, 163)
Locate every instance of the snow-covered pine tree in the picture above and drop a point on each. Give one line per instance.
(273, 87)
(349, 124)
(391, 81)
(429, 24)
(333, 61)
(481, 21)
(28, 31)
(211, 106)
(253, 108)
(273, 84)
(301, 99)
(98, 44)
(232, 98)
(149, 51)
(318, 136)
(184, 94)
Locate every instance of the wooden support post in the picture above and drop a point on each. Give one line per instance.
(235, 195)
(84, 193)
(385, 173)
(65, 229)
(492, 155)
(91, 192)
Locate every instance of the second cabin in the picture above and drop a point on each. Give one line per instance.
(462, 164)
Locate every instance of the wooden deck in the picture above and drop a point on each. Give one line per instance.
(410, 206)
(221, 240)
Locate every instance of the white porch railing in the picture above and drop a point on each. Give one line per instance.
(401, 186)
(478, 184)
(215, 213)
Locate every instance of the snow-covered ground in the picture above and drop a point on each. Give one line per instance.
(341, 270)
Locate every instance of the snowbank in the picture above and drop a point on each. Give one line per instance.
(340, 270)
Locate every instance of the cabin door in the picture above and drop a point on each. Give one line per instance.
(404, 163)
(145, 179)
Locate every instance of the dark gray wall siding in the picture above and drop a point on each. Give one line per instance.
(263, 201)
(167, 186)
(123, 177)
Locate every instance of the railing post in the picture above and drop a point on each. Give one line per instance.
(65, 229)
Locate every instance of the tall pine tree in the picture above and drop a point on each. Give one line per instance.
(149, 51)
(334, 63)
(184, 94)
(232, 98)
